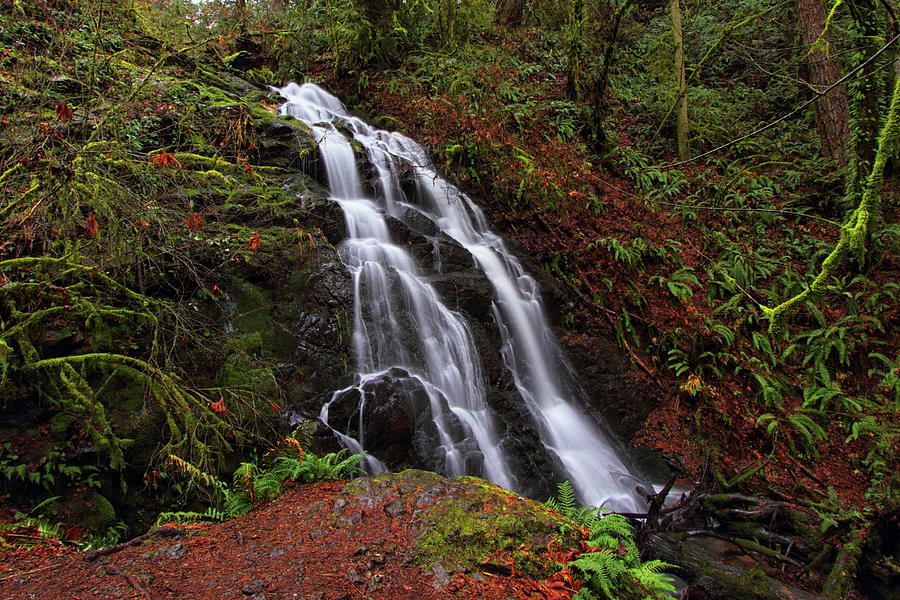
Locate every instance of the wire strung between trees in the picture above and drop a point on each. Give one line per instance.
(824, 92)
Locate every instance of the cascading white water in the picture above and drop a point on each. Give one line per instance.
(400, 321)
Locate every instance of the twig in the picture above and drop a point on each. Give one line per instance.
(131, 579)
(38, 570)
(165, 531)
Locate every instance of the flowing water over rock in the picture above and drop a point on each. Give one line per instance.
(413, 353)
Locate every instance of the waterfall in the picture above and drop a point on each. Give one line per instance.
(399, 320)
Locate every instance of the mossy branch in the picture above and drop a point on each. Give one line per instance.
(187, 415)
(35, 185)
(218, 163)
(49, 263)
(854, 233)
(10, 171)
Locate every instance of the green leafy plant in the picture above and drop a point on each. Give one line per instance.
(256, 482)
(678, 283)
(612, 568)
(800, 422)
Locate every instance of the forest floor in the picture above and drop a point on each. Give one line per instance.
(286, 549)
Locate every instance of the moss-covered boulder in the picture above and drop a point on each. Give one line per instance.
(463, 524)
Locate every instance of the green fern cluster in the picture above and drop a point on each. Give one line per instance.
(254, 483)
(613, 569)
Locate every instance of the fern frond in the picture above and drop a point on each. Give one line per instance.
(564, 502)
(303, 433)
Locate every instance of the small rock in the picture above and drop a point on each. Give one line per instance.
(360, 551)
(355, 576)
(395, 508)
(252, 589)
(351, 520)
(441, 576)
(173, 552)
(339, 505)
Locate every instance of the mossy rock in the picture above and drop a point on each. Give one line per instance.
(467, 523)
(89, 508)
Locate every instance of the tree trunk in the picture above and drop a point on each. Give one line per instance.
(446, 19)
(601, 83)
(868, 86)
(832, 110)
(684, 148)
(509, 12)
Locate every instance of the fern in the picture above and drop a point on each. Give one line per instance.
(211, 513)
(613, 568)
(330, 466)
(566, 504)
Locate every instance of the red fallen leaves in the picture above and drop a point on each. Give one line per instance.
(63, 111)
(253, 242)
(218, 407)
(560, 586)
(194, 222)
(243, 161)
(163, 159)
(91, 227)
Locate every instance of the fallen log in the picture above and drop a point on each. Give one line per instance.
(716, 578)
(842, 575)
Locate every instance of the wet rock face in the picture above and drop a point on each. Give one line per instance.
(288, 143)
(398, 421)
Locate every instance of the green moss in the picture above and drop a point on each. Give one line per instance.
(59, 424)
(480, 523)
(241, 372)
(96, 512)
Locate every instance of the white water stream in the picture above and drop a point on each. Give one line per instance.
(399, 319)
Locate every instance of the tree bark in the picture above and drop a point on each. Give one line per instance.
(684, 148)
(599, 102)
(510, 12)
(868, 86)
(832, 110)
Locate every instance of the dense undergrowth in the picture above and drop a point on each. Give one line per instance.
(134, 195)
(123, 151)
